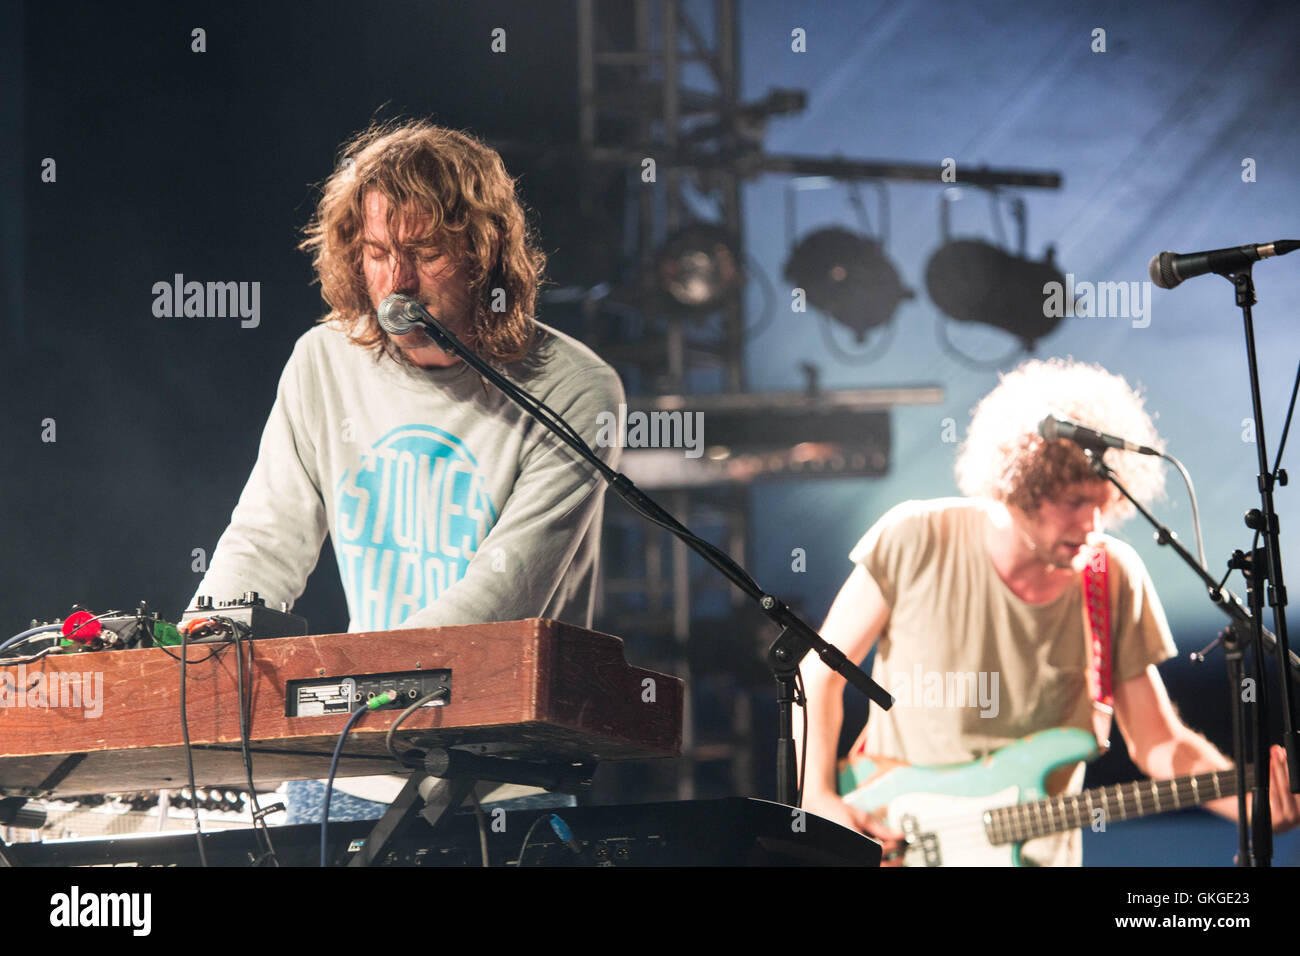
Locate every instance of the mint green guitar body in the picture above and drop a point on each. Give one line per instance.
(941, 809)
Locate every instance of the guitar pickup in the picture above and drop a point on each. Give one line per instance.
(925, 844)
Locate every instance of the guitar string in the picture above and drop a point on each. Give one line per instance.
(1040, 814)
(961, 831)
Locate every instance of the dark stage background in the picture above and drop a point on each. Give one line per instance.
(170, 161)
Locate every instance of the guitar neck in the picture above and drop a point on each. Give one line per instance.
(1124, 801)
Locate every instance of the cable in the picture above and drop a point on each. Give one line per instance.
(388, 738)
(1196, 513)
(211, 654)
(544, 411)
(1286, 427)
(374, 703)
(30, 632)
(575, 441)
(1217, 594)
(646, 507)
(979, 365)
(259, 824)
(862, 357)
(672, 525)
(260, 829)
(529, 835)
(46, 628)
(482, 827)
(189, 761)
(45, 652)
(90, 620)
(1274, 471)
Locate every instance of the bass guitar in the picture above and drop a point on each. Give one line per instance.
(981, 813)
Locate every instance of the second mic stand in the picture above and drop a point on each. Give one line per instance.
(1246, 628)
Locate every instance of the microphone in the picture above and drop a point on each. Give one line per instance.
(1053, 428)
(1169, 269)
(400, 315)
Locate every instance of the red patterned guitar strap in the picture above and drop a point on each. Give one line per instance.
(1096, 625)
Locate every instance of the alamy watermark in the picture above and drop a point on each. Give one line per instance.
(44, 690)
(209, 300)
(651, 430)
(945, 689)
(74, 908)
(1103, 300)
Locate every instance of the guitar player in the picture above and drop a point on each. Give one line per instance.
(992, 584)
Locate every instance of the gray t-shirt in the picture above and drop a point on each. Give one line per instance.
(445, 502)
(952, 616)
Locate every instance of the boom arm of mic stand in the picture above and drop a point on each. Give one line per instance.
(796, 638)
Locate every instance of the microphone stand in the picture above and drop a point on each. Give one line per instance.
(796, 638)
(1255, 842)
(1265, 564)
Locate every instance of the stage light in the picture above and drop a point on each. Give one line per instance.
(977, 282)
(698, 269)
(847, 276)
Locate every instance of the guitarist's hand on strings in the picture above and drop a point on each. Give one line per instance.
(1162, 746)
(1283, 805)
(829, 806)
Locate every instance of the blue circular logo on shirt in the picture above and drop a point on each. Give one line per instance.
(408, 520)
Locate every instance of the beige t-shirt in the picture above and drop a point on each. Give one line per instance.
(1007, 668)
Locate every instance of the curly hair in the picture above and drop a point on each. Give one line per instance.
(1004, 457)
(461, 187)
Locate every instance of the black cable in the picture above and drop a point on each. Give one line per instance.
(566, 433)
(636, 500)
(1277, 461)
(185, 731)
(544, 411)
(1286, 427)
(211, 654)
(388, 738)
(245, 726)
(329, 784)
(673, 526)
(863, 357)
(189, 761)
(89, 620)
(260, 829)
(1227, 574)
(979, 365)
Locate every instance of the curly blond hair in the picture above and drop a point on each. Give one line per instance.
(1004, 457)
(462, 186)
